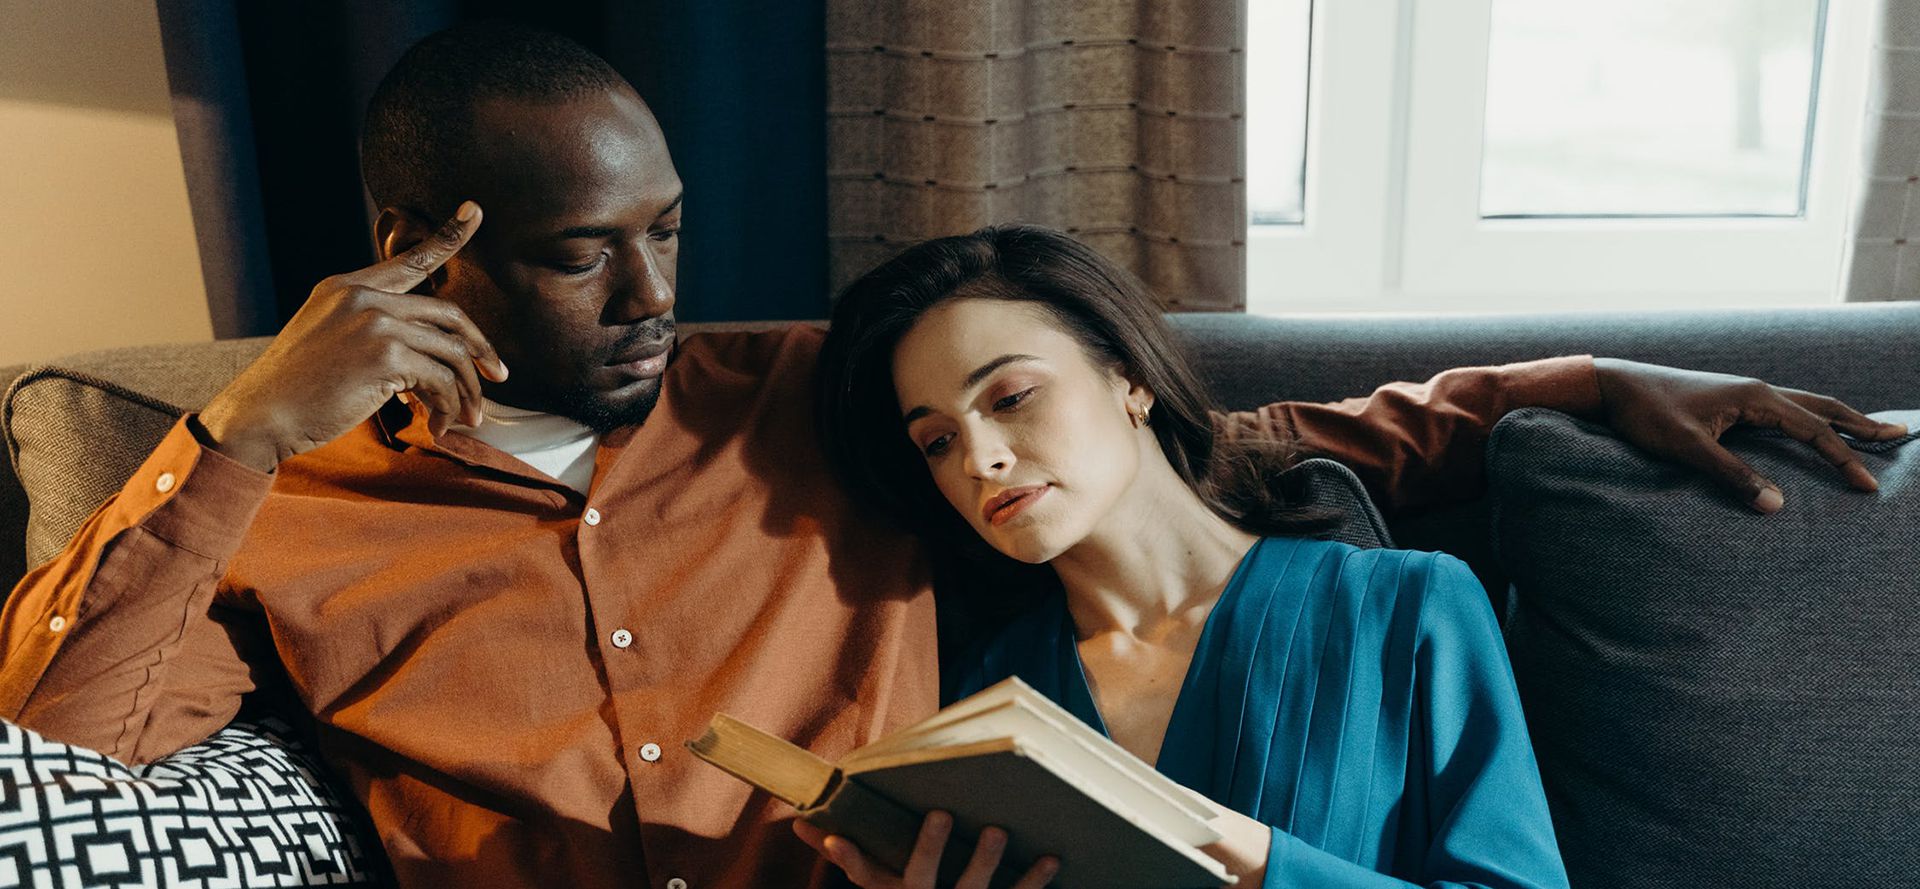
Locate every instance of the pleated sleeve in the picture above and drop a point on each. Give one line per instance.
(1475, 814)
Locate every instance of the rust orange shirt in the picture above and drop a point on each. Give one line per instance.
(504, 670)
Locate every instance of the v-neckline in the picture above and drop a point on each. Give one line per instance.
(1082, 691)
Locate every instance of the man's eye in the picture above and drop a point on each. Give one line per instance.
(665, 235)
(1012, 401)
(567, 268)
(939, 445)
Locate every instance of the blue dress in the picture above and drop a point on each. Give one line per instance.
(1358, 701)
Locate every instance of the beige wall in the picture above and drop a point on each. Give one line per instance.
(96, 238)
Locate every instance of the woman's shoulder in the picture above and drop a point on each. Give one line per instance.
(1409, 598)
(1350, 557)
(1348, 570)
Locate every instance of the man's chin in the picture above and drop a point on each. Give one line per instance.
(606, 411)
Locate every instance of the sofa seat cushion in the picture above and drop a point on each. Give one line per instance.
(1717, 697)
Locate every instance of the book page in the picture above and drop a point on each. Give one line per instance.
(1013, 710)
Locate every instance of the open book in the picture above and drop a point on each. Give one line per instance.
(1005, 757)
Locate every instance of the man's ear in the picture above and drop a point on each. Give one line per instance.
(395, 231)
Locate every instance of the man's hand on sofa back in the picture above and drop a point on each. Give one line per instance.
(1681, 414)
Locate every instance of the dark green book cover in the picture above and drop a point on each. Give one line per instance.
(1002, 761)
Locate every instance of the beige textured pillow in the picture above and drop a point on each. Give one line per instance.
(77, 429)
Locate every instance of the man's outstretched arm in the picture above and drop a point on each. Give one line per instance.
(1421, 444)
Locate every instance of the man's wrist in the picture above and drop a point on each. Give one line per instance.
(250, 451)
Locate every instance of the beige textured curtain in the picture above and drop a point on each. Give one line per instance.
(1883, 261)
(1118, 121)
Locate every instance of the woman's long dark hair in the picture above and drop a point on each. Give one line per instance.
(1114, 319)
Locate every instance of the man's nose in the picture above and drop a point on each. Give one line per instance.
(645, 291)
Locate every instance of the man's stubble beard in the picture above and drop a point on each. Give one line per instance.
(585, 407)
(582, 404)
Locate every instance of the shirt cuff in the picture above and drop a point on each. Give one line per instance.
(193, 496)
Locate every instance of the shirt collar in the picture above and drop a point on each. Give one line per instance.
(403, 425)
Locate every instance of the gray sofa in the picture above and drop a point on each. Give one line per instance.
(77, 427)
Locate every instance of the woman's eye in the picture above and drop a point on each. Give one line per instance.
(1012, 401)
(938, 446)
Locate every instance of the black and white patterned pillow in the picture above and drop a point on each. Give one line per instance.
(244, 808)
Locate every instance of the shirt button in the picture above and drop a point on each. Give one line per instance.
(650, 752)
(622, 638)
(164, 483)
(592, 517)
(676, 883)
(57, 624)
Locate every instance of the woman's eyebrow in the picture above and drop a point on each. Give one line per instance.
(980, 373)
(973, 379)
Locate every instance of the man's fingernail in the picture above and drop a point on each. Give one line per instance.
(1770, 499)
(1864, 480)
(466, 211)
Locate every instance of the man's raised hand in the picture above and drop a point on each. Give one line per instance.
(360, 339)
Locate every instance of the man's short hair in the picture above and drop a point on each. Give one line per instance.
(415, 133)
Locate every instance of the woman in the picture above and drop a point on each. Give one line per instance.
(1354, 709)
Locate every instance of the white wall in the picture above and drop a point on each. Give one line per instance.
(96, 237)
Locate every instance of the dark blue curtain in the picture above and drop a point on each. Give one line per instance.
(268, 97)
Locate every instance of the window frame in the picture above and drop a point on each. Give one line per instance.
(1395, 119)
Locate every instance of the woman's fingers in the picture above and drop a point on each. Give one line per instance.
(812, 836)
(924, 867)
(985, 860)
(859, 868)
(1040, 874)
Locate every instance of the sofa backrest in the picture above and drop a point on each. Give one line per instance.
(1868, 355)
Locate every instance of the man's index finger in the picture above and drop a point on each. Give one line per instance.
(406, 270)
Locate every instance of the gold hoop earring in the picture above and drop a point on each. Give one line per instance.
(1139, 418)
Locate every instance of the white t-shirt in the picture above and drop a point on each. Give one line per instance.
(555, 445)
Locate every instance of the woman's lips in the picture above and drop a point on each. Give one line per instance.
(1007, 505)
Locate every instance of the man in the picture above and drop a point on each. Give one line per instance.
(508, 596)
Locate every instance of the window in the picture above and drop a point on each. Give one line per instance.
(1277, 136)
(1475, 155)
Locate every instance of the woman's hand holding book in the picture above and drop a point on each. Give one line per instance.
(1243, 847)
(925, 864)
